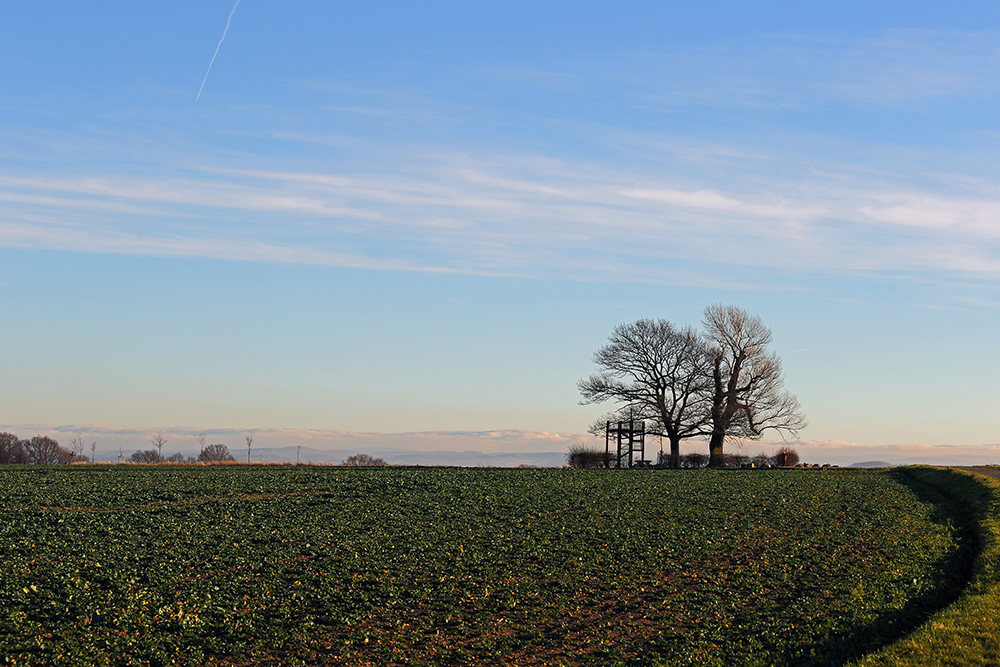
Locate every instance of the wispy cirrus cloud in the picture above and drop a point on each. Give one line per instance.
(965, 216)
(601, 202)
(719, 203)
(515, 215)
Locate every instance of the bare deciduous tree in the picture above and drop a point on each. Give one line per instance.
(363, 460)
(158, 442)
(93, 452)
(657, 372)
(145, 456)
(249, 439)
(748, 395)
(76, 445)
(201, 442)
(43, 450)
(11, 449)
(215, 453)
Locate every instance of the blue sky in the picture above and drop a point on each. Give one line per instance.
(395, 217)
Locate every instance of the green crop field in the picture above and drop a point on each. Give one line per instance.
(308, 565)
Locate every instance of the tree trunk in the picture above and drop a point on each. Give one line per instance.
(716, 459)
(719, 421)
(675, 451)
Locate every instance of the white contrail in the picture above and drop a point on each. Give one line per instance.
(228, 21)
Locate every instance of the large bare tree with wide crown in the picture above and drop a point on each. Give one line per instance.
(685, 384)
(658, 373)
(748, 395)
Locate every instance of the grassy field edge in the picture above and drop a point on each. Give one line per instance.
(968, 631)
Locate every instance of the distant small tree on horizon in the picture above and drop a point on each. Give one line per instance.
(363, 460)
(158, 441)
(215, 453)
(77, 446)
(145, 456)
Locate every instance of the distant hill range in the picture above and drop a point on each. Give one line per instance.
(405, 457)
(870, 464)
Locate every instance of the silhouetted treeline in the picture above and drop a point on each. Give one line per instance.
(40, 449)
(217, 453)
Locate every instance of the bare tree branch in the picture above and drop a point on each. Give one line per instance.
(748, 395)
(656, 373)
(158, 442)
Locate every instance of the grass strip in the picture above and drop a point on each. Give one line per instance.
(967, 632)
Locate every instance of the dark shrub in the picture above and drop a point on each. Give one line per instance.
(145, 456)
(582, 456)
(786, 457)
(735, 460)
(694, 460)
